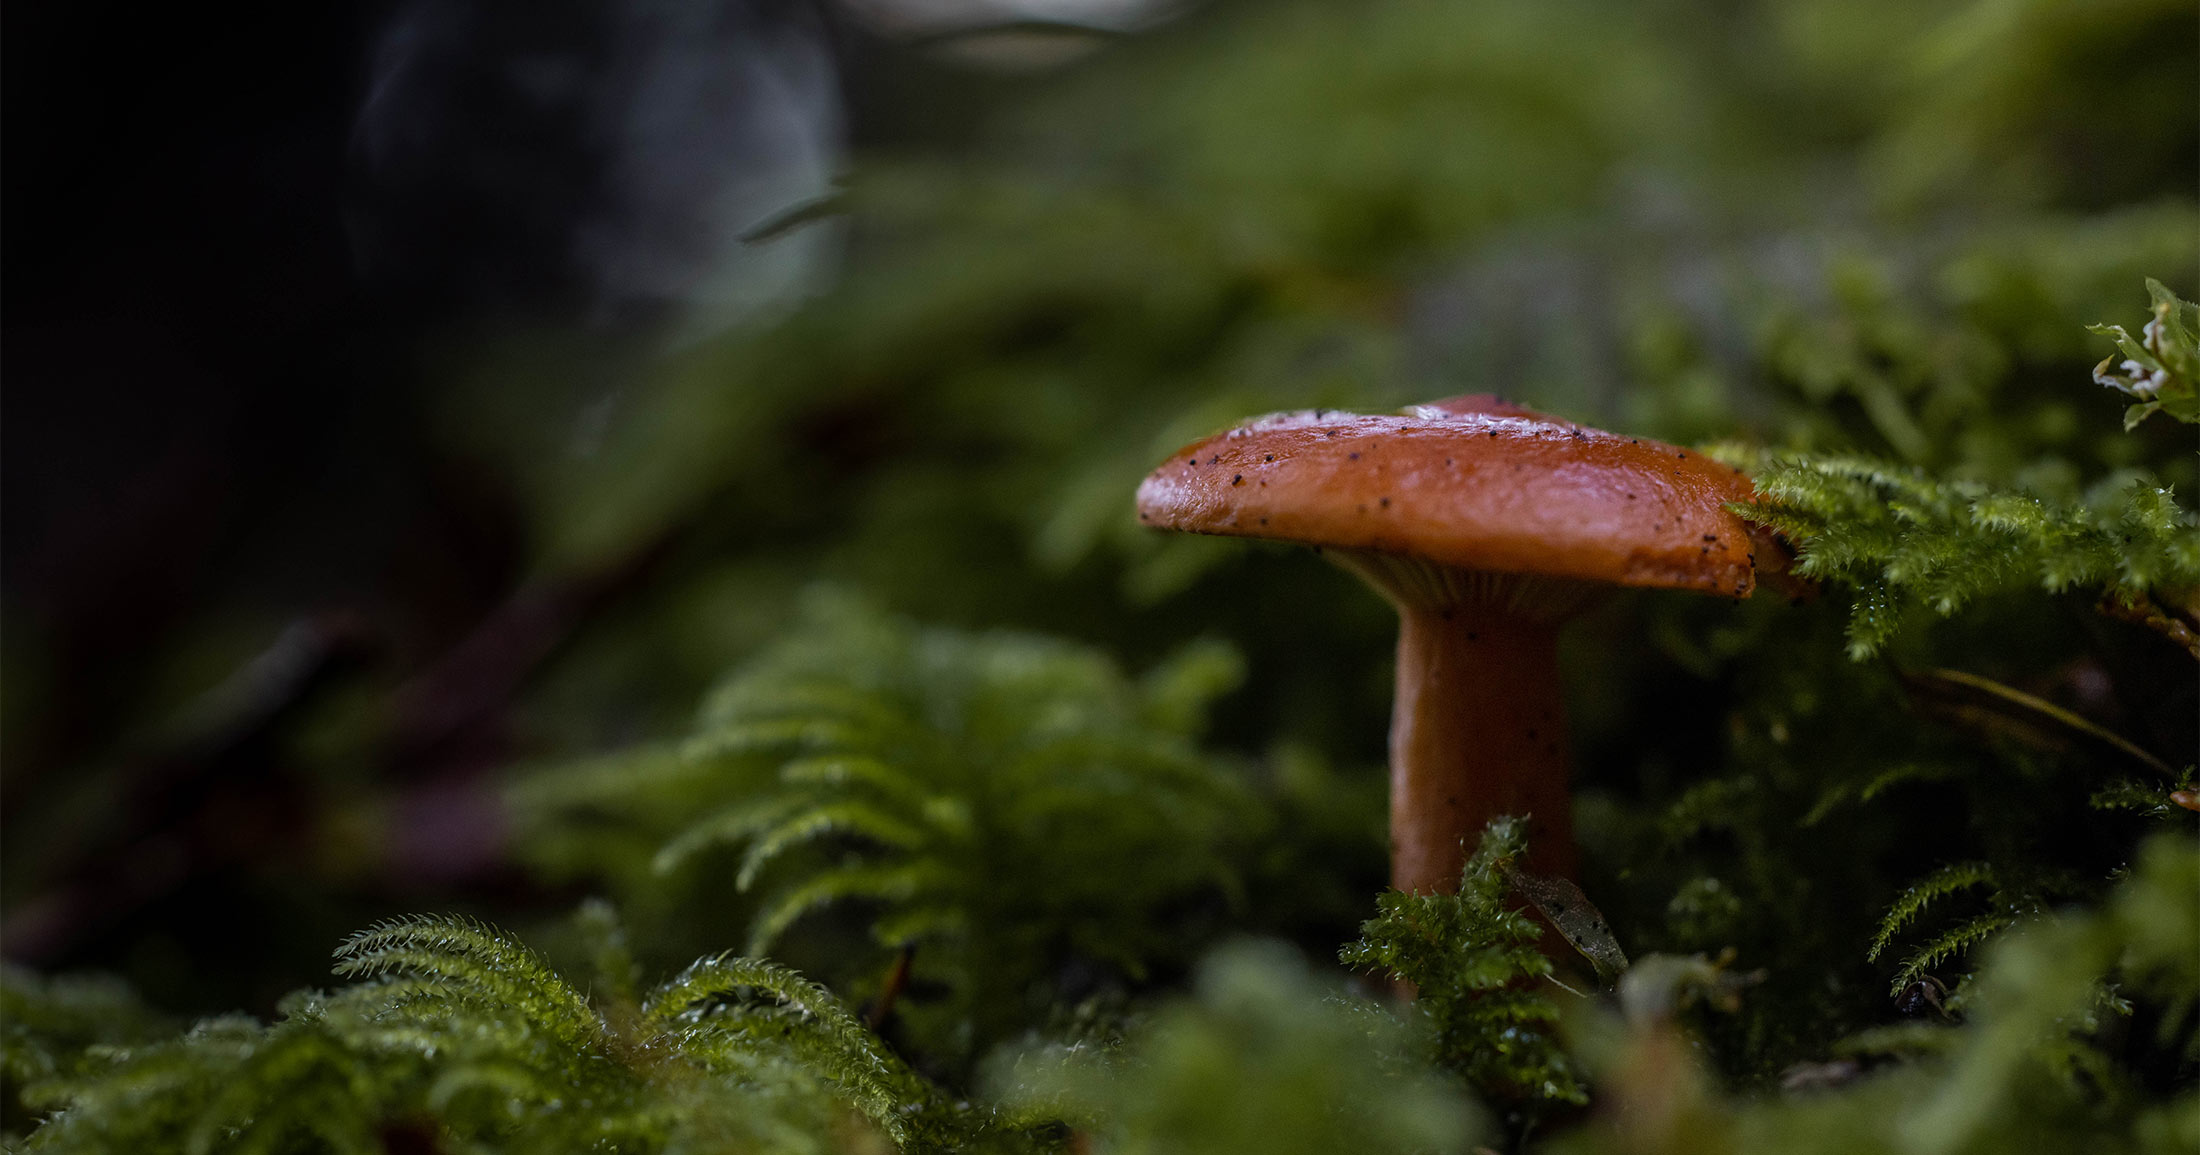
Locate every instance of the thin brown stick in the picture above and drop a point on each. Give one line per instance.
(2143, 610)
(897, 980)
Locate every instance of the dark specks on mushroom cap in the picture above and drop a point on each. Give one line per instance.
(1471, 483)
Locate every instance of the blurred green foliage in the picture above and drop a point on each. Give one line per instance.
(1262, 1057)
(1860, 242)
(1000, 805)
(48, 1025)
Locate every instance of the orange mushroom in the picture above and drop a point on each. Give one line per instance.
(1487, 526)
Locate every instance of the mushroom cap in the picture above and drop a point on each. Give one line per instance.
(1471, 483)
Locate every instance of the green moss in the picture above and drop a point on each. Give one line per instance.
(1474, 961)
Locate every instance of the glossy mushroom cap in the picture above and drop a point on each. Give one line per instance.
(1470, 484)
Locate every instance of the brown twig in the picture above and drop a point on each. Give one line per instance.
(897, 980)
(487, 668)
(2144, 610)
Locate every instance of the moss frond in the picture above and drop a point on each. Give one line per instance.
(1957, 940)
(1856, 792)
(727, 1011)
(894, 884)
(466, 959)
(851, 819)
(1474, 964)
(1903, 539)
(1923, 893)
(464, 1032)
(732, 825)
(2008, 897)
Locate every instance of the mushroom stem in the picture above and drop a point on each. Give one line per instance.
(1478, 731)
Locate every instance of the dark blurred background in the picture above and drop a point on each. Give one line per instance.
(396, 392)
(245, 248)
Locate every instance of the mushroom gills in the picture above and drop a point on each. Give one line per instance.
(1417, 584)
